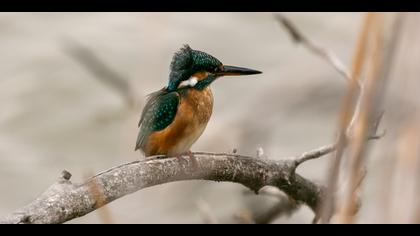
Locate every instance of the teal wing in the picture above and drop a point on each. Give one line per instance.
(159, 112)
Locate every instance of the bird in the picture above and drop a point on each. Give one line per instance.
(175, 116)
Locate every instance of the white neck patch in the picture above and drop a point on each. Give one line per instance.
(191, 82)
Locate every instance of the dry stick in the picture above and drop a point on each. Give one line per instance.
(381, 63)
(346, 121)
(348, 115)
(65, 200)
(327, 55)
(289, 206)
(346, 202)
(331, 58)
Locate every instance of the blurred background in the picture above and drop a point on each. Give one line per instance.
(57, 114)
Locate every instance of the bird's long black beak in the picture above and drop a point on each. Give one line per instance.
(234, 70)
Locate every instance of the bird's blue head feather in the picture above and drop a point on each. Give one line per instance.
(186, 62)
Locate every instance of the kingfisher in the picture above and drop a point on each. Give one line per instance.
(175, 116)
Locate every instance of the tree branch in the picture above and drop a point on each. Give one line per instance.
(65, 200)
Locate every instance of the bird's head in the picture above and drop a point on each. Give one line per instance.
(192, 68)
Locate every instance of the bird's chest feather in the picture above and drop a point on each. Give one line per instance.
(198, 104)
(194, 111)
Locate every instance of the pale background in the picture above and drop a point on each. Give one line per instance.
(55, 115)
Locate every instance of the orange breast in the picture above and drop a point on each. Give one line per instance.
(193, 113)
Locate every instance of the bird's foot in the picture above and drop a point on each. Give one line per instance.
(190, 156)
(193, 160)
(179, 158)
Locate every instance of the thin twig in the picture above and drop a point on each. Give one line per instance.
(352, 104)
(326, 54)
(329, 56)
(324, 150)
(316, 153)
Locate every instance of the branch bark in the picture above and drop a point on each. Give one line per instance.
(65, 200)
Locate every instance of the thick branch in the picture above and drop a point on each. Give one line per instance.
(64, 200)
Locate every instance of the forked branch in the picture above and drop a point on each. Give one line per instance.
(65, 200)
